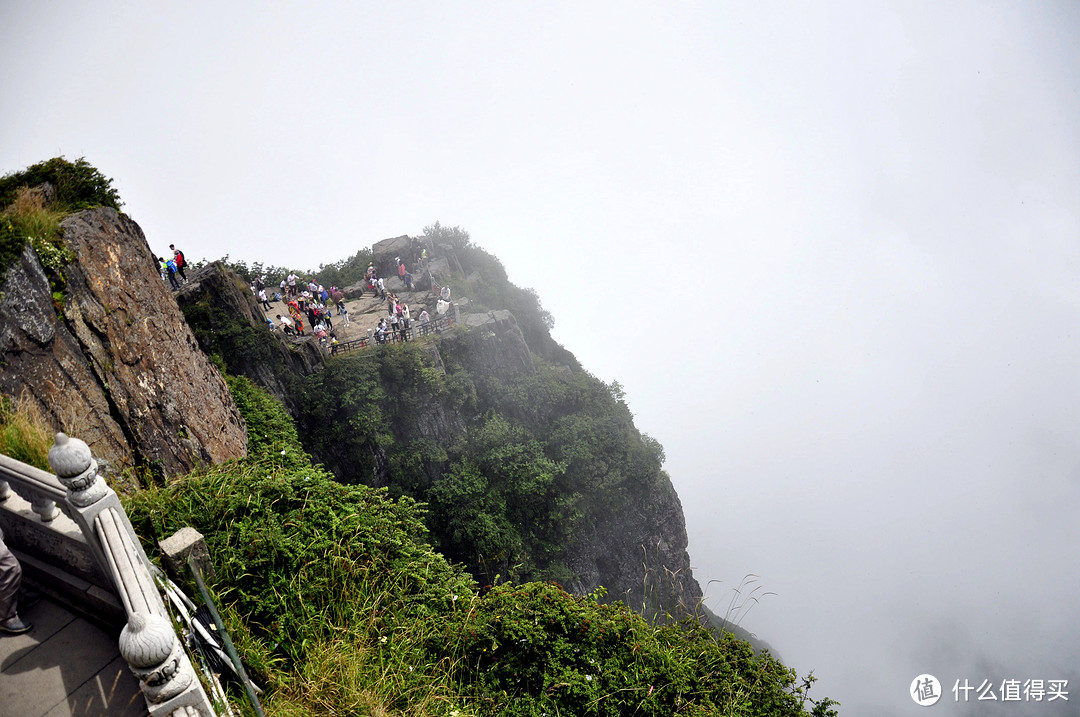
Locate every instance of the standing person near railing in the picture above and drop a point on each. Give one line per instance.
(10, 582)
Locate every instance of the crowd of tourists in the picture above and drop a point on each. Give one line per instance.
(309, 306)
(313, 304)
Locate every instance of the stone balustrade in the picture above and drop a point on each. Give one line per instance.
(76, 497)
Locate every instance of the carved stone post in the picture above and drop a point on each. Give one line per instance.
(76, 469)
(149, 644)
(86, 496)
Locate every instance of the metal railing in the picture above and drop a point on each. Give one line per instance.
(416, 329)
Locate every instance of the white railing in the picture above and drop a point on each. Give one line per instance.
(148, 642)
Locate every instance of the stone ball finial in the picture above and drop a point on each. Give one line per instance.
(147, 640)
(69, 457)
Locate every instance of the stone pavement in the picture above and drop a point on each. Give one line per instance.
(65, 667)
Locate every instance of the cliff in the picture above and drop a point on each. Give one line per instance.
(228, 324)
(532, 468)
(107, 355)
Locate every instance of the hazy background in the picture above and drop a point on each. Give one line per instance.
(830, 249)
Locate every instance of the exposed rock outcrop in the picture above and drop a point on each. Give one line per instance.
(498, 346)
(385, 252)
(110, 358)
(639, 553)
(227, 320)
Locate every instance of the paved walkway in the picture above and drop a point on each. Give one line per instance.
(65, 667)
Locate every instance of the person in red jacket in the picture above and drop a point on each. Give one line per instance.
(178, 257)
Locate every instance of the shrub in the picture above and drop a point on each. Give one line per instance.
(78, 184)
(24, 215)
(533, 649)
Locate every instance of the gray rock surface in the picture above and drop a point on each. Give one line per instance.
(386, 251)
(270, 360)
(110, 359)
(497, 344)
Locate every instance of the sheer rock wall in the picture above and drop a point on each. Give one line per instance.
(109, 357)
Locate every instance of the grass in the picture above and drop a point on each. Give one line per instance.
(25, 435)
(27, 219)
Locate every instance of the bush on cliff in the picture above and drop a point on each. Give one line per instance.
(26, 216)
(78, 184)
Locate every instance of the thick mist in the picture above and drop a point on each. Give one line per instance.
(830, 251)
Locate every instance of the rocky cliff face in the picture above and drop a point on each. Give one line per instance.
(226, 320)
(499, 348)
(109, 358)
(637, 545)
(638, 552)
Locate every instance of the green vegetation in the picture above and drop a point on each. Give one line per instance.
(26, 216)
(513, 470)
(338, 273)
(24, 434)
(249, 272)
(340, 606)
(78, 184)
(345, 272)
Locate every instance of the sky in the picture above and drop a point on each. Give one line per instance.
(829, 249)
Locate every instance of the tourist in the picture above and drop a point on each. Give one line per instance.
(178, 257)
(393, 324)
(404, 321)
(10, 582)
(168, 268)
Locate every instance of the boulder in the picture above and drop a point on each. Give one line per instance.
(385, 253)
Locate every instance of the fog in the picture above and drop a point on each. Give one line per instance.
(830, 251)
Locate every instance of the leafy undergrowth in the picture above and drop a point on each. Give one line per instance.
(533, 649)
(340, 606)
